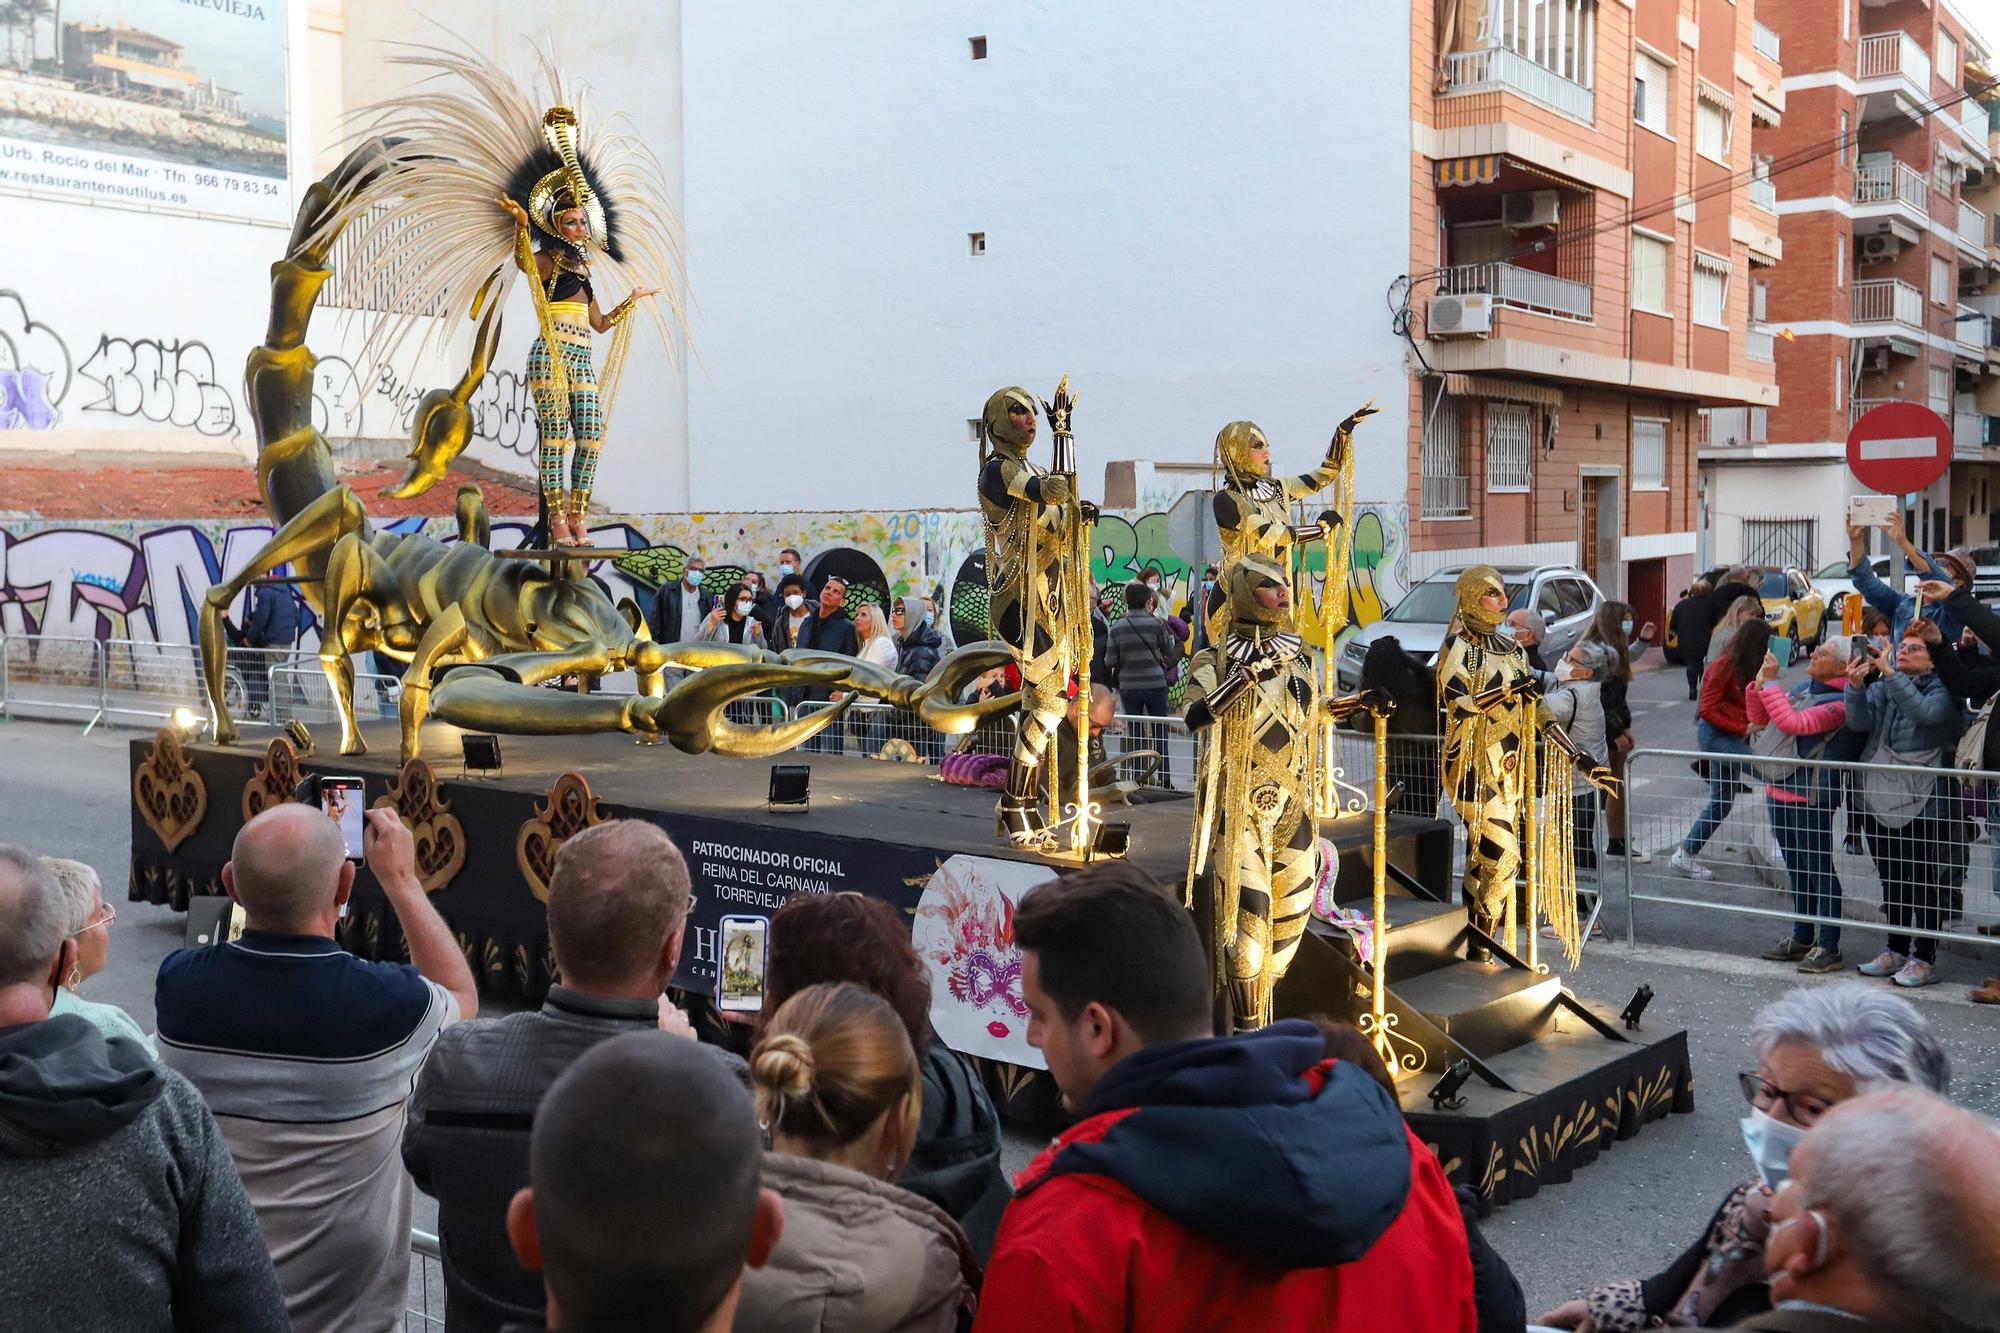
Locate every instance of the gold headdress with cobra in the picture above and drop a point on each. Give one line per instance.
(566, 187)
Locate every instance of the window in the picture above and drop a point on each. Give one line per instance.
(1652, 92)
(1760, 302)
(1839, 381)
(1713, 114)
(1558, 35)
(1947, 58)
(1649, 453)
(1940, 391)
(1444, 477)
(1649, 273)
(1943, 280)
(975, 242)
(1840, 261)
(978, 48)
(972, 430)
(1846, 20)
(1711, 290)
(1843, 138)
(1510, 446)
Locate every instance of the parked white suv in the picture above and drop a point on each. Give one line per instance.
(1564, 595)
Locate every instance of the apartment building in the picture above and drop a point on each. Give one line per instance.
(1585, 247)
(1885, 184)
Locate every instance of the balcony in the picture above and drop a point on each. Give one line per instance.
(1765, 43)
(1968, 436)
(1971, 331)
(1518, 289)
(1888, 301)
(1972, 227)
(1861, 407)
(1762, 346)
(1764, 193)
(1498, 69)
(1892, 183)
(1975, 126)
(1888, 54)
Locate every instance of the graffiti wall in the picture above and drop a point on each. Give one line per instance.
(146, 581)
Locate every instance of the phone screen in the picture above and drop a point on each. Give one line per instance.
(739, 985)
(343, 800)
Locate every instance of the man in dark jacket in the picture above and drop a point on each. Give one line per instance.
(1213, 1182)
(618, 905)
(1693, 624)
(121, 1206)
(833, 632)
(1144, 658)
(680, 607)
(273, 628)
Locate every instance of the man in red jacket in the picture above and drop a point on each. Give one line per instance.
(1213, 1182)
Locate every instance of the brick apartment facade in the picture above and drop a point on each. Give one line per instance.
(1584, 251)
(1886, 190)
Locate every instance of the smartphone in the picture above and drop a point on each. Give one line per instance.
(1871, 511)
(744, 951)
(343, 800)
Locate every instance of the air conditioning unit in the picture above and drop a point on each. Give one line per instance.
(1875, 358)
(1531, 208)
(1879, 247)
(1460, 316)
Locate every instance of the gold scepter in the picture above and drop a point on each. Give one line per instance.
(1079, 629)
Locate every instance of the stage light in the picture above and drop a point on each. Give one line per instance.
(1444, 1097)
(1111, 842)
(302, 739)
(480, 751)
(1637, 1006)
(791, 787)
(187, 723)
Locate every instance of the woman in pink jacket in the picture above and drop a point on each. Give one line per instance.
(1802, 796)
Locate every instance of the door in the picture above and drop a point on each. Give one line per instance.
(1598, 531)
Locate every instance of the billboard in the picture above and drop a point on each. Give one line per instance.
(161, 104)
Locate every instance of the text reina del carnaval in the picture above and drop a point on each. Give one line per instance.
(725, 863)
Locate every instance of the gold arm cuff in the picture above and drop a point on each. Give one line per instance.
(619, 312)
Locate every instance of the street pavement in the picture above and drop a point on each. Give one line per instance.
(1627, 1214)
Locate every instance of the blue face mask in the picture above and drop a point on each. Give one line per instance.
(694, 578)
(785, 567)
(1770, 1142)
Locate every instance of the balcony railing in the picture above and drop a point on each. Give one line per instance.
(1520, 288)
(1765, 42)
(1762, 347)
(1892, 182)
(1764, 193)
(1975, 122)
(1968, 435)
(1861, 407)
(1496, 68)
(1971, 226)
(1890, 53)
(1888, 300)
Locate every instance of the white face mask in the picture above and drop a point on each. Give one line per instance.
(1770, 1142)
(794, 601)
(743, 608)
(1565, 671)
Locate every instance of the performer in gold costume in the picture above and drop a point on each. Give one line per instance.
(1253, 698)
(1038, 605)
(1493, 715)
(1253, 508)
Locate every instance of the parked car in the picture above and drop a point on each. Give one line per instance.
(1564, 595)
(1793, 607)
(1833, 584)
(1986, 572)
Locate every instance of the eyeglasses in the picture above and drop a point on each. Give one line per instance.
(110, 915)
(1803, 1107)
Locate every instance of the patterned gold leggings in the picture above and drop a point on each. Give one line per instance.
(564, 420)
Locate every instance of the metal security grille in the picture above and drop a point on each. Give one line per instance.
(1444, 479)
(1510, 429)
(1780, 541)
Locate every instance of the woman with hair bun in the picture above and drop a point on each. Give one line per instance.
(836, 1085)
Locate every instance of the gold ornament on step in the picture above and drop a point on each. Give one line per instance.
(439, 835)
(170, 795)
(568, 810)
(273, 780)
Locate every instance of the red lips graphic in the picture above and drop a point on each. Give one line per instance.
(998, 1028)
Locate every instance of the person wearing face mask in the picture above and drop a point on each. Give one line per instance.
(1576, 704)
(734, 618)
(1847, 1256)
(1199, 597)
(680, 607)
(1817, 1046)
(1612, 625)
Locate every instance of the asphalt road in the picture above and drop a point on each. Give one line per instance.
(1635, 1208)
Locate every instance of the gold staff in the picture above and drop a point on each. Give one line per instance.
(1079, 630)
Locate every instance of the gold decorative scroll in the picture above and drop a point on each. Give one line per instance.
(169, 793)
(273, 780)
(569, 810)
(439, 835)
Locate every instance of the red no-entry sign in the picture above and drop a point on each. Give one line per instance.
(1899, 448)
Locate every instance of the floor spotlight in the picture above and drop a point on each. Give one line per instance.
(1635, 1007)
(791, 787)
(480, 751)
(1444, 1097)
(187, 724)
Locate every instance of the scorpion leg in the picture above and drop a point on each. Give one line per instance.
(444, 635)
(314, 529)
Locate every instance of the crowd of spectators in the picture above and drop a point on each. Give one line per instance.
(598, 1167)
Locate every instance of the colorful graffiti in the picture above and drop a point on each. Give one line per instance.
(146, 581)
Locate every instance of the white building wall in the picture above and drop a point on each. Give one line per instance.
(1739, 491)
(1193, 210)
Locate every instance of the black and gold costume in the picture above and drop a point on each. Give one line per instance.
(1036, 607)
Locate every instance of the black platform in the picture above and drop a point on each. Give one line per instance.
(1555, 1082)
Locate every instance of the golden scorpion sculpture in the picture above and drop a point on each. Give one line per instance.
(480, 633)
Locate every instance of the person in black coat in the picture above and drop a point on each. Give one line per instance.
(1693, 624)
(273, 625)
(680, 607)
(1413, 728)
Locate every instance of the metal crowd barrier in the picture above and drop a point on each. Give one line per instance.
(303, 693)
(1927, 865)
(426, 1285)
(149, 680)
(52, 673)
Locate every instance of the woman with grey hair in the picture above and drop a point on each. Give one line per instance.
(90, 919)
(1800, 731)
(1576, 704)
(1817, 1046)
